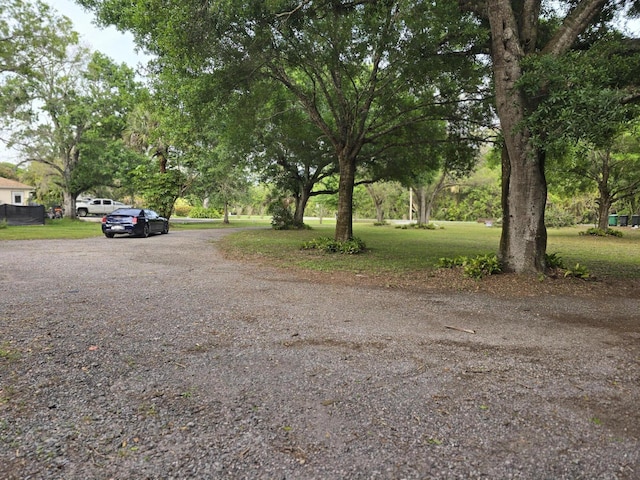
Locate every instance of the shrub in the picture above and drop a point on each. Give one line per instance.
(553, 261)
(426, 226)
(555, 216)
(598, 232)
(201, 212)
(329, 245)
(579, 271)
(281, 217)
(420, 226)
(446, 262)
(182, 210)
(476, 267)
(482, 265)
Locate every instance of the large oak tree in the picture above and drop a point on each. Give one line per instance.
(364, 71)
(522, 30)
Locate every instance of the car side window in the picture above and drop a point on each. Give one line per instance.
(149, 214)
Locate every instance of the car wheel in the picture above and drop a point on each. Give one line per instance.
(109, 235)
(82, 212)
(165, 227)
(145, 231)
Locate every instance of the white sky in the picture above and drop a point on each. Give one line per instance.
(118, 46)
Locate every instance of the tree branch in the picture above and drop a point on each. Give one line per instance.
(574, 24)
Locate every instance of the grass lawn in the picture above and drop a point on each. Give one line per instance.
(400, 251)
(392, 250)
(67, 228)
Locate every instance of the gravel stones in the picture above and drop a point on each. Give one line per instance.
(157, 358)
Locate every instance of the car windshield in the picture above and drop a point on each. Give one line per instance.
(129, 212)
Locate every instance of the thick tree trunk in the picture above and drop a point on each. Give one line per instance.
(69, 204)
(301, 205)
(344, 220)
(524, 236)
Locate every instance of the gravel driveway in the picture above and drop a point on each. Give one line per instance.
(157, 358)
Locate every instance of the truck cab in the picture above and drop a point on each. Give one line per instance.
(97, 206)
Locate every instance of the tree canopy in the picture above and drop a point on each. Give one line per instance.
(365, 73)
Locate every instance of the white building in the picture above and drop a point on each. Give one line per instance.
(13, 192)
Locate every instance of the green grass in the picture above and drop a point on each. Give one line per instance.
(390, 250)
(603, 256)
(66, 228)
(234, 222)
(402, 251)
(52, 229)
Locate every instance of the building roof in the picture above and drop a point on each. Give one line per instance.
(6, 183)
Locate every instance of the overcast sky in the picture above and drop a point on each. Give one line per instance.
(120, 47)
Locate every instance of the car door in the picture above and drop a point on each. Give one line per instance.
(155, 223)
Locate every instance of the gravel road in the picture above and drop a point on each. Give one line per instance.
(158, 359)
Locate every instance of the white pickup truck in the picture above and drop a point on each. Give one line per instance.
(97, 206)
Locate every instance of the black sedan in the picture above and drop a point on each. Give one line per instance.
(139, 222)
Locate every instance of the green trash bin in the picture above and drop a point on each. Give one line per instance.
(613, 220)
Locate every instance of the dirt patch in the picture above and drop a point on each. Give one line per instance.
(502, 285)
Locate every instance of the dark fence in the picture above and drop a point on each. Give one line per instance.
(21, 215)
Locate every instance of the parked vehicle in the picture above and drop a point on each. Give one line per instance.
(140, 222)
(97, 206)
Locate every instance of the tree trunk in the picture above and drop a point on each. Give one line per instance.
(378, 201)
(605, 199)
(69, 204)
(344, 220)
(423, 217)
(604, 205)
(428, 204)
(301, 205)
(524, 236)
(226, 213)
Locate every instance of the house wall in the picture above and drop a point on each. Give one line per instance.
(14, 193)
(8, 196)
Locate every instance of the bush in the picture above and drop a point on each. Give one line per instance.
(579, 271)
(420, 226)
(598, 232)
(476, 267)
(201, 212)
(281, 217)
(329, 245)
(182, 210)
(446, 262)
(553, 261)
